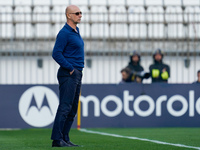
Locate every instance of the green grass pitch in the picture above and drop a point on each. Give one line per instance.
(39, 139)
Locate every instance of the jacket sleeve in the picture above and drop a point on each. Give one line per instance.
(168, 70)
(60, 44)
(165, 75)
(150, 70)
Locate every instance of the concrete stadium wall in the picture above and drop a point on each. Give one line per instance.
(30, 70)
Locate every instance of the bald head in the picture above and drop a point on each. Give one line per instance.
(71, 9)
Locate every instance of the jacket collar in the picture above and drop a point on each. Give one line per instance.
(70, 28)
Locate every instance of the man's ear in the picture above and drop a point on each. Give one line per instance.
(68, 16)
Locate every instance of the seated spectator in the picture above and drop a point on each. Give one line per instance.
(198, 77)
(159, 71)
(126, 75)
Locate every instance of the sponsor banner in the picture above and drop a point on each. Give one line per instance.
(104, 105)
(28, 106)
(141, 105)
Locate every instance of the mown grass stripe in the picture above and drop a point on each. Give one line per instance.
(136, 138)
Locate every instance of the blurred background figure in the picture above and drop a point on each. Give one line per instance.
(134, 64)
(126, 75)
(135, 67)
(159, 71)
(198, 77)
(137, 70)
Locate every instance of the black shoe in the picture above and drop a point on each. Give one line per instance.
(61, 143)
(72, 144)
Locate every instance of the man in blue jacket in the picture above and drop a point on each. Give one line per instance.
(68, 52)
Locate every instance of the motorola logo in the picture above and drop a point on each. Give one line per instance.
(190, 105)
(38, 105)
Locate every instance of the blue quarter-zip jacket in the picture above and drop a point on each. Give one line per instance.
(68, 50)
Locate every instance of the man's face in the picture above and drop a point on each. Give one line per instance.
(135, 58)
(158, 57)
(75, 15)
(124, 75)
(198, 75)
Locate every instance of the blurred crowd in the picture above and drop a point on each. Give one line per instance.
(158, 70)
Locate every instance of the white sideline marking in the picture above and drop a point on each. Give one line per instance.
(136, 138)
(9, 129)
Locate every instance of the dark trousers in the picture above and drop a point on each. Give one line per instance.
(69, 90)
